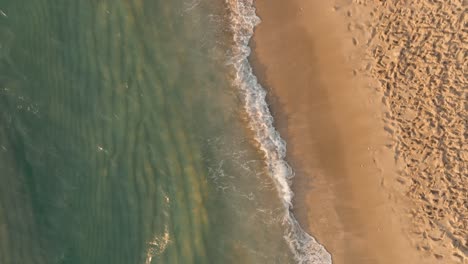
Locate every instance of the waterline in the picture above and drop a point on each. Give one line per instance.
(305, 248)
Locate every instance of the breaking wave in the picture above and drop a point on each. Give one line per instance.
(243, 20)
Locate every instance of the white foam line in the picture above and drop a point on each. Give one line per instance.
(305, 248)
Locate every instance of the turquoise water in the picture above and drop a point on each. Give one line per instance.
(124, 138)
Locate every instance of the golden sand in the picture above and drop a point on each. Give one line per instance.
(371, 98)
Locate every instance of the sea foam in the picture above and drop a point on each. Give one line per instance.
(305, 248)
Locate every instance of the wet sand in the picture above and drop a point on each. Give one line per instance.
(327, 73)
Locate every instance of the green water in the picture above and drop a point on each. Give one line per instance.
(122, 139)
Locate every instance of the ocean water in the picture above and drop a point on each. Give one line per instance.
(133, 131)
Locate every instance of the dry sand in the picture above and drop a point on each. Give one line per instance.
(371, 98)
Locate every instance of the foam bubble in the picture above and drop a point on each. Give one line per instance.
(305, 248)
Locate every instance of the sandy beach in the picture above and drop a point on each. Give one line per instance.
(371, 99)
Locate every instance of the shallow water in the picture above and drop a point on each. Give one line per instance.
(124, 140)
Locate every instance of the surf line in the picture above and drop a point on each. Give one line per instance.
(243, 20)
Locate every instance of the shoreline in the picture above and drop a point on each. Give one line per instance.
(348, 194)
(304, 248)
